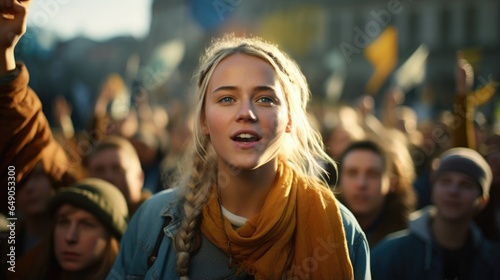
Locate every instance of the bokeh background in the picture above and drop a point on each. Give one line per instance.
(346, 49)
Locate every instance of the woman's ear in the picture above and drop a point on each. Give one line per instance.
(204, 129)
(204, 126)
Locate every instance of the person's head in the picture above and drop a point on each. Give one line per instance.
(180, 133)
(90, 218)
(148, 146)
(403, 170)
(460, 184)
(34, 195)
(343, 131)
(115, 160)
(267, 102)
(365, 177)
(251, 101)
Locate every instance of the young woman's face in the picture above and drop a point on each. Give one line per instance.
(246, 114)
(80, 239)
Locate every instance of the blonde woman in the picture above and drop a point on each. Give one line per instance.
(250, 204)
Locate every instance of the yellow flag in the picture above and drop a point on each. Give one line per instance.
(382, 53)
(482, 95)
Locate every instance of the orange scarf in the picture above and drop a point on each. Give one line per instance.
(297, 224)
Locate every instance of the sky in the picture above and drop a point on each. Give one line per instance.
(95, 19)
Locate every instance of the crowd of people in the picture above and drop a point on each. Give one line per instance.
(253, 184)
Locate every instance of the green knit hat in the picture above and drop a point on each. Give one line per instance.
(98, 197)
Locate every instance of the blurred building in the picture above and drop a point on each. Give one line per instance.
(314, 30)
(327, 38)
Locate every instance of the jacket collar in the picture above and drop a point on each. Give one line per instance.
(172, 210)
(420, 225)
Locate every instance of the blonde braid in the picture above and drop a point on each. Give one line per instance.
(198, 190)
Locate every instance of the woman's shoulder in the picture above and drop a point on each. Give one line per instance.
(326, 195)
(347, 215)
(164, 203)
(351, 225)
(164, 196)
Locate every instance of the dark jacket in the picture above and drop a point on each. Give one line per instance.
(412, 254)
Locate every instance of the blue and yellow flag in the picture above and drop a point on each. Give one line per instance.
(382, 53)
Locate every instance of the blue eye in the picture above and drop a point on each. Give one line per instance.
(226, 99)
(266, 99)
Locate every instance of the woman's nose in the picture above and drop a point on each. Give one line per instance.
(246, 112)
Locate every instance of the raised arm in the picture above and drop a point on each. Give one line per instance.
(26, 139)
(12, 26)
(463, 134)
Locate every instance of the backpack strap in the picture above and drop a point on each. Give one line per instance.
(154, 254)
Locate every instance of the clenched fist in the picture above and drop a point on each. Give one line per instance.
(12, 26)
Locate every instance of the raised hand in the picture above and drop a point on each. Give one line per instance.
(464, 75)
(13, 18)
(62, 109)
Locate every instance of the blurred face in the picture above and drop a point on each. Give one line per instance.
(80, 239)
(147, 155)
(114, 166)
(179, 136)
(33, 198)
(246, 116)
(338, 141)
(363, 182)
(456, 196)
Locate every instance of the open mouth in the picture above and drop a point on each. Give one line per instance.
(245, 137)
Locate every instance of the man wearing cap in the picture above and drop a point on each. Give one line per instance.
(442, 241)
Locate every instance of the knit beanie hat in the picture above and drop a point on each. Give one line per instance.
(102, 199)
(466, 161)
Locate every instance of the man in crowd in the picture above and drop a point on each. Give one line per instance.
(442, 241)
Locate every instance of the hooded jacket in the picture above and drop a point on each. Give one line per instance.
(413, 254)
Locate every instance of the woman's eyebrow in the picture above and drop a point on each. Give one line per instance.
(221, 88)
(232, 88)
(264, 88)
